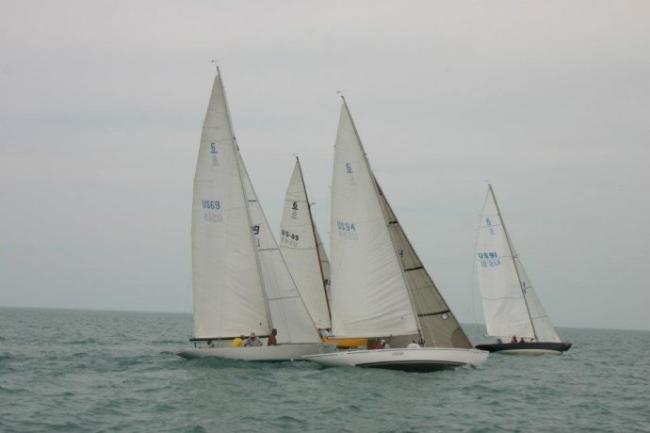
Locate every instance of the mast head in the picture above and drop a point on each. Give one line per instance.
(340, 93)
(216, 64)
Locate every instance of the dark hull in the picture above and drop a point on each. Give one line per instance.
(523, 347)
(412, 366)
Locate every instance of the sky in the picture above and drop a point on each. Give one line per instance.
(101, 105)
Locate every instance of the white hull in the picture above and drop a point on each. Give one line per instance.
(419, 359)
(282, 352)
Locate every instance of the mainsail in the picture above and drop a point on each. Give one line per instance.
(240, 281)
(302, 249)
(228, 294)
(510, 305)
(379, 285)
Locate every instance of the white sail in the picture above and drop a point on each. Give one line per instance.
(299, 244)
(287, 309)
(544, 330)
(369, 297)
(227, 290)
(509, 303)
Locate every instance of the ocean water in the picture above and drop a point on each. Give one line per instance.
(90, 371)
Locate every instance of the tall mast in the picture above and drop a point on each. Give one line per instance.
(513, 256)
(248, 215)
(313, 230)
(374, 185)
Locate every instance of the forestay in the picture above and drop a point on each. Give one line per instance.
(369, 297)
(324, 266)
(299, 243)
(288, 312)
(542, 325)
(438, 325)
(510, 305)
(227, 291)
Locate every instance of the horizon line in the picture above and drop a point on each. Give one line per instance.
(108, 310)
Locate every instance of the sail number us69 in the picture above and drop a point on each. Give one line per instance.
(212, 210)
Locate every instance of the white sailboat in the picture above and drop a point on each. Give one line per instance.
(303, 250)
(513, 312)
(380, 289)
(241, 284)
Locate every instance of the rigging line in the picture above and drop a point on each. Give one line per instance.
(514, 256)
(502, 297)
(474, 286)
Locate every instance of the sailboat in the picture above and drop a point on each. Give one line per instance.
(513, 312)
(380, 289)
(303, 250)
(241, 284)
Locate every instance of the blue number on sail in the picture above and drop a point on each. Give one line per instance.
(346, 226)
(489, 258)
(213, 148)
(211, 204)
(490, 225)
(348, 167)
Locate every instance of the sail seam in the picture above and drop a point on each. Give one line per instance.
(282, 298)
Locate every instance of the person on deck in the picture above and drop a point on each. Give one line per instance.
(252, 341)
(272, 341)
(237, 341)
(514, 339)
(521, 340)
(413, 345)
(383, 344)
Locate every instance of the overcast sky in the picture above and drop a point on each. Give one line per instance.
(101, 105)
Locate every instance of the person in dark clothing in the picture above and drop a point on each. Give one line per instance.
(272, 341)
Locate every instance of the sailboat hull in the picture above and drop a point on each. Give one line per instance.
(537, 348)
(423, 360)
(281, 352)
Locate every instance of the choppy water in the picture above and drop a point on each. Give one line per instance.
(81, 371)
